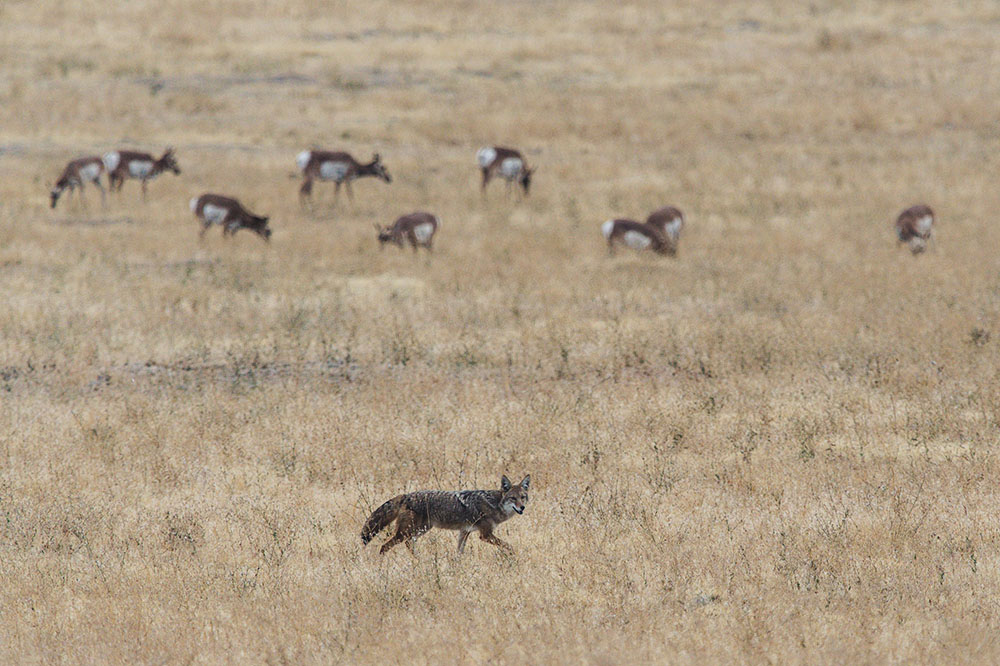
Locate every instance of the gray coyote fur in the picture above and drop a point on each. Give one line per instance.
(464, 510)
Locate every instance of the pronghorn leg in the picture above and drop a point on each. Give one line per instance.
(350, 192)
(204, 228)
(486, 180)
(144, 181)
(104, 201)
(305, 193)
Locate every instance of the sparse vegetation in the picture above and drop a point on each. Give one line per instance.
(781, 446)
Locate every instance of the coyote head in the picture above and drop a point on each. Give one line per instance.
(514, 498)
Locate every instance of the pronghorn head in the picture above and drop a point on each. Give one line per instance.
(526, 178)
(378, 169)
(259, 226)
(56, 191)
(385, 235)
(169, 162)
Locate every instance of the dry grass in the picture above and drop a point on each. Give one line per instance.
(781, 446)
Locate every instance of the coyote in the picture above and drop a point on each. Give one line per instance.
(464, 510)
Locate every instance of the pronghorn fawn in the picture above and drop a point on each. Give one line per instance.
(636, 235)
(76, 174)
(913, 227)
(229, 214)
(670, 222)
(506, 163)
(417, 229)
(339, 167)
(124, 164)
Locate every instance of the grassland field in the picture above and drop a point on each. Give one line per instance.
(780, 446)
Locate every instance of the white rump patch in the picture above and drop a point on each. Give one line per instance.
(636, 240)
(923, 225)
(90, 172)
(302, 159)
(111, 160)
(673, 228)
(140, 168)
(485, 157)
(423, 232)
(607, 229)
(333, 171)
(511, 168)
(215, 214)
(194, 205)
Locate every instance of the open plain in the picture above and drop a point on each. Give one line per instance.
(779, 446)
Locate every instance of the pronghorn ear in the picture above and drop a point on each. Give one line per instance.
(376, 158)
(504, 483)
(526, 481)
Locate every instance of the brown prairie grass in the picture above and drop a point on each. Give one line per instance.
(779, 447)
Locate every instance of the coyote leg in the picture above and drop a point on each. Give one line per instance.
(463, 536)
(398, 537)
(502, 545)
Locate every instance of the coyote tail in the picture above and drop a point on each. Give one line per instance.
(381, 517)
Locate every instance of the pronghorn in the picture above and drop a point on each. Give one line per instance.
(636, 235)
(122, 164)
(507, 163)
(913, 226)
(76, 173)
(670, 222)
(339, 167)
(229, 214)
(417, 229)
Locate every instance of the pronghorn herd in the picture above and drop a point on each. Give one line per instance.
(660, 233)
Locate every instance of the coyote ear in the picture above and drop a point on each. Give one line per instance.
(504, 483)
(525, 481)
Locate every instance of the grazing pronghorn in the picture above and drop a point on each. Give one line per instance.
(636, 235)
(123, 164)
(229, 214)
(670, 222)
(339, 167)
(507, 163)
(417, 229)
(76, 173)
(913, 227)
